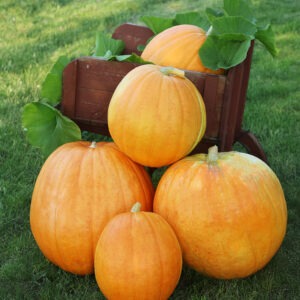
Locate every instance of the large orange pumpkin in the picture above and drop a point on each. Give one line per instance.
(156, 115)
(228, 211)
(79, 189)
(178, 46)
(138, 257)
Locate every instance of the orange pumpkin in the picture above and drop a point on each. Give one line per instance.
(138, 257)
(156, 115)
(79, 189)
(228, 211)
(178, 46)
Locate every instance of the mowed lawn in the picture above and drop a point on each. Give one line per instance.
(33, 34)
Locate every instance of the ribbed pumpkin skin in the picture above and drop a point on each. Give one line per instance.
(230, 217)
(154, 118)
(178, 46)
(76, 193)
(138, 257)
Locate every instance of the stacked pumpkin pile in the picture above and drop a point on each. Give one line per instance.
(94, 208)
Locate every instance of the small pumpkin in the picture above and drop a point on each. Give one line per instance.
(138, 257)
(156, 115)
(80, 187)
(228, 211)
(178, 46)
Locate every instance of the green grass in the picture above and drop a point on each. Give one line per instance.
(33, 35)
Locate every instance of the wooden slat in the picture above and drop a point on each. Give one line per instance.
(69, 90)
(230, 107)
(92, 104)
(198, 79)
(243, 91)
(100, 74)
(213, 98)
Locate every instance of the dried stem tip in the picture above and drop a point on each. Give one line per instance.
(212, 156)
(171, 71)
(136, 207)
(93, 144)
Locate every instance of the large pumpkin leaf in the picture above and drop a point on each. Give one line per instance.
(267, 37)
(213, 13)
(193, 18)
(51, 90)
(134, 58)
(239, 8)
(60, 64)
(46, 128)
(157, 24)
(105, 43)
(217, 53)
(233, 28)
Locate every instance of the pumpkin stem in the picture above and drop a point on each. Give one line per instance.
(208, 32)
(172, 71)
(93, 144)
(136, 207)
(212, 156)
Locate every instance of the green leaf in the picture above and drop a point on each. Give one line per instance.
(134, 58)
(51, 90)
(125, 57)
(141, 48)
(239, 8)
(193, 18)
(157, 24)
(60, 64)
(233, 28)
(213, 14)
(105, 43)
(108, 55)
(217, 53)
(46, 128)
(267, 37)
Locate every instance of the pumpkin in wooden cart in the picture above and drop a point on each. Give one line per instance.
(80, 187)
(178, 46)
(156, 115)
(138, 257)
(227, 209)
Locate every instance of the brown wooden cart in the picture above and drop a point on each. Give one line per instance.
(88, 84)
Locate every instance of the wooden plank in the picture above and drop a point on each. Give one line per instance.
(69, 90)
(100, 74)
(243, 92)
(213, 98)
(92, 104)
(198, 79)
(230, 107)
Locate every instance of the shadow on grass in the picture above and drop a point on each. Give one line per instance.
(38, 51)
(33, 6)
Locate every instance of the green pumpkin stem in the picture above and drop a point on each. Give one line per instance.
(93, 144)
(136, 207)
(212, 156)
(208, 32)
(169, 71)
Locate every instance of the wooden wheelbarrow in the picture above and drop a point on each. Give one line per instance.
(88, 84)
